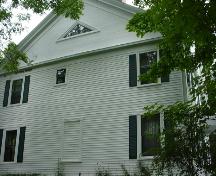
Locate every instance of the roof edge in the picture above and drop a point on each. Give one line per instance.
(65, 58)
(52, 16)
(38, 29)
(122, 6)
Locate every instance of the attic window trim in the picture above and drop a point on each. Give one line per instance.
(93, 30)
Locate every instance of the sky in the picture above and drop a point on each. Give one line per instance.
(35, 20)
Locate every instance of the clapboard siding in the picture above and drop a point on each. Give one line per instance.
(97, 92)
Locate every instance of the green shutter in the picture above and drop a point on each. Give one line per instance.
(1, 136)
(26, 89)
(132, 137)
(21, 144)
(132, 70)
(164, 78)
(6, 93)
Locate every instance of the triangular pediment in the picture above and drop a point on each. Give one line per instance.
(78, 29)
(102, 26)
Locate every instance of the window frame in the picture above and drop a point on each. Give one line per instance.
(66, 75)
(138, 67)
(139, 136)
(10, 91)
(4, 142)
(94, 30)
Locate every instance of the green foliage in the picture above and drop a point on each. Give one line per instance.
(11, 57)
(184, 143)
(185, 26)
(33, 174)
(141, 170)
(101, 171)
(11, 23)
(68, 8)
(188, 30)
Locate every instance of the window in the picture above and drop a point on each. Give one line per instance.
(139, 64)
(150, 133)
(76, 30)
(144, 135)
(60, 76)
(145, 60)
(10, 145)
(16, 91)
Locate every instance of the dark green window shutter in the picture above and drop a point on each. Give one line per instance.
(132, 70)
(21, 144)
(132, 137)
(26, 89)
(6, 93)
(165, 78)
(1, 135)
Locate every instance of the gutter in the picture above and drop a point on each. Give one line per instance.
(92, 52)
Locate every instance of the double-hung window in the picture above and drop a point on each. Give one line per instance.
(16, 91)
(150, 135)
(139, 65)
(144, 135)
(12, 144)
(145, 60)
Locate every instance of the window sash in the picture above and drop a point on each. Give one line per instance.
(150, 132)
(144, 59)
(139, 137)
(3, 147)
(10, 146)
(16, 91)
(61, 76)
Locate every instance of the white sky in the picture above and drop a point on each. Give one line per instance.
(35, 20)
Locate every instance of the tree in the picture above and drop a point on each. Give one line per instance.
(188, 29)
(10, 23)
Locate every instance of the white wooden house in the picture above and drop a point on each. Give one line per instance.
(81, 102)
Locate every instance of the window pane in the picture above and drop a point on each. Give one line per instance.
(150, 132)
(16, 91)
(146, 59)
(78, 29)
(60, 76)
(10, 145)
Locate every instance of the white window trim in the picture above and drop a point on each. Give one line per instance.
(3, 145)
(138, 68)
(10, 91)
(66, 76)
(139, 137)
